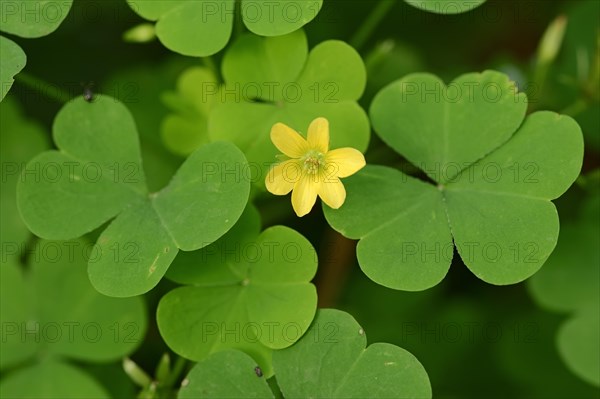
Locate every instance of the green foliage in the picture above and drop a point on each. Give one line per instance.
(33, 18)
(493, 184)
(207, 379)
(473, 167)
(79, 323)
(139, 245)
(98, 331)
(577, 74)
(51, 379)
(13, 61)
(332, 360)
(329, 361)
(445, 6)
(28, 19)
(20, 141)
(187, 128)
(202, 28)
(269, 80)
(570, 283)
(138, 88)
(251, 291)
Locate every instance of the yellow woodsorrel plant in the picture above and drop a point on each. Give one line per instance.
(160, 166)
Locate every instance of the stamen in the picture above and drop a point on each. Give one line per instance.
(313, 161)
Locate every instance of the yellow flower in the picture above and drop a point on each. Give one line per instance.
(311, 169)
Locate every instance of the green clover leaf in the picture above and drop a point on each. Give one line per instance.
(55, 263)
(79, 323)
(187, 128)
(570, 282)
(445, 6)
(12, 62)
(270, 80)
(51, 379)
(251, 291)
(20, 141)
(202, 28)
(330, 361)
(138, 88)
(332, 80)
(33, 18)
(225, 374)
(578, 343)
(494, 185)
(28, 19)
(97, 175)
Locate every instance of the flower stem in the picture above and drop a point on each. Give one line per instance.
(49, 90)
(366, 30)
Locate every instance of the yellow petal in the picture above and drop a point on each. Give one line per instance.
(333, 193)
(288, 141)
(344, 162)
(304, 195)
(282, 177)
(318, 135)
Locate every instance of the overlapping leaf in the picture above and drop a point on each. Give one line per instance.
(51, 379)
(21, 140)
(33, 18)
(12, 62)
(202, 27)
(445, 6)
(570, 282)
(187, 128)
(270, 80)
(29, 19)
(251, 291)
(97, 175)
(494, 185)
(139, 89)
(226, 374)
(78, 323)
(330, 361)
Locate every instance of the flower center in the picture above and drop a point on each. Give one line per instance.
(313, 162)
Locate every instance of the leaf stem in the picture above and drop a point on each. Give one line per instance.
(178, 368)
(367, 28)
(238, 24)
(49, 90)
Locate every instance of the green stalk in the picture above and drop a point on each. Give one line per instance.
(367, 28)
(178, 368)
(41, 86)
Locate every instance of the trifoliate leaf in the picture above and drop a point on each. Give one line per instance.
(495, 176)
(97, 175)
(202, 28)
(252, 294)
(330, 361)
